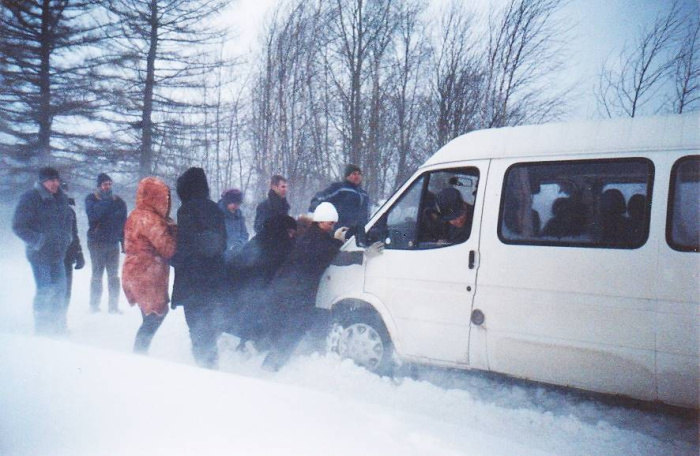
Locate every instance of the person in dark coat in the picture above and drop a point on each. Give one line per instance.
(106, 214)
(348, 197)
(236, 231)
(293, 289)
(199, 264)
(43, 221)
(74, 255)
(275, 204)
(252, 272)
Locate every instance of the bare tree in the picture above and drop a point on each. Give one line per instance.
(687, 70)
(408, 100)
(45, 71)
(160, 51)
(641, 70)
(523, 56)
(354, 28)
(457, 90)
(287, 119)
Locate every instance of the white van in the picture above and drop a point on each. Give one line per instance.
(578, 264)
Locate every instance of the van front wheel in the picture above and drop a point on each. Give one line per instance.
(362, 337)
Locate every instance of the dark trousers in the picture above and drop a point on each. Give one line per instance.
(50, 299)
(148, 329)
(202, 320)
(104, 256)
(291, 328)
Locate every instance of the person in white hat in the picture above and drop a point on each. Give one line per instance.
(293, 289)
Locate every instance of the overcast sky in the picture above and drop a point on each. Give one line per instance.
(599, 30)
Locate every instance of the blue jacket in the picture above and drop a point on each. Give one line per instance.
(236, 231)
(350, 200)
(44, 222)
(106, 217)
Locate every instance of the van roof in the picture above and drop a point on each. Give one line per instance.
(680, 131)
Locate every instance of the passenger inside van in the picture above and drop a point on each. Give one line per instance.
(568, 218)
(613, 222)
(635, 217)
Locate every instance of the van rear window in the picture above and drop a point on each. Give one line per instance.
(683, 226)
(583, 203)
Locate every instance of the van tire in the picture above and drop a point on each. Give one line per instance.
(360, 335)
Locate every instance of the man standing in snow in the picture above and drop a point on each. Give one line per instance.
(348, 197)
(43, 221)
(275, 204)
(106, 214)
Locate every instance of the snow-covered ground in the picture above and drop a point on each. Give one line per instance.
(88, 395)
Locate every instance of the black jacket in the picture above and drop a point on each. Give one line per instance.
(295, 284)
(273, 205)
(350, 200)
(201, 242)
(44, 222)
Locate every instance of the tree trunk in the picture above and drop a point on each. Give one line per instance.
(45, 112)
(146, 156)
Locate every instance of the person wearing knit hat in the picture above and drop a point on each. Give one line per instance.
(48, 173)
(236, 231)
(348, 197)
(43, 220)
(103, 177)
(106, 214)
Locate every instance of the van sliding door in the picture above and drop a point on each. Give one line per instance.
(568, 273)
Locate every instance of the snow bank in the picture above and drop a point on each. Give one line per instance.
(88, 395)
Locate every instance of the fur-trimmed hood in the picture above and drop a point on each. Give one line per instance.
(154, 195)
(192, 184)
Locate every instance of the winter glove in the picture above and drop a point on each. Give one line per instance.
(80, 261)
(340, 234)
(374, 250)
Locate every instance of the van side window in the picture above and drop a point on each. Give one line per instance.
(683, 225)
(582, 203)
(435, 211)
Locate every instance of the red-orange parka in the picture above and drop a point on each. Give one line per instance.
(149, 241)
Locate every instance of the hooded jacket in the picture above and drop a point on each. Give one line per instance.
(149, 242)
(201, 242)
(44, 222)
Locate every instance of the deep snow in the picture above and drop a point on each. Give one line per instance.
(88, 395)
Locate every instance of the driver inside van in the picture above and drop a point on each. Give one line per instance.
(452, 209)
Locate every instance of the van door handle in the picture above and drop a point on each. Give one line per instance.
(472, 259)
